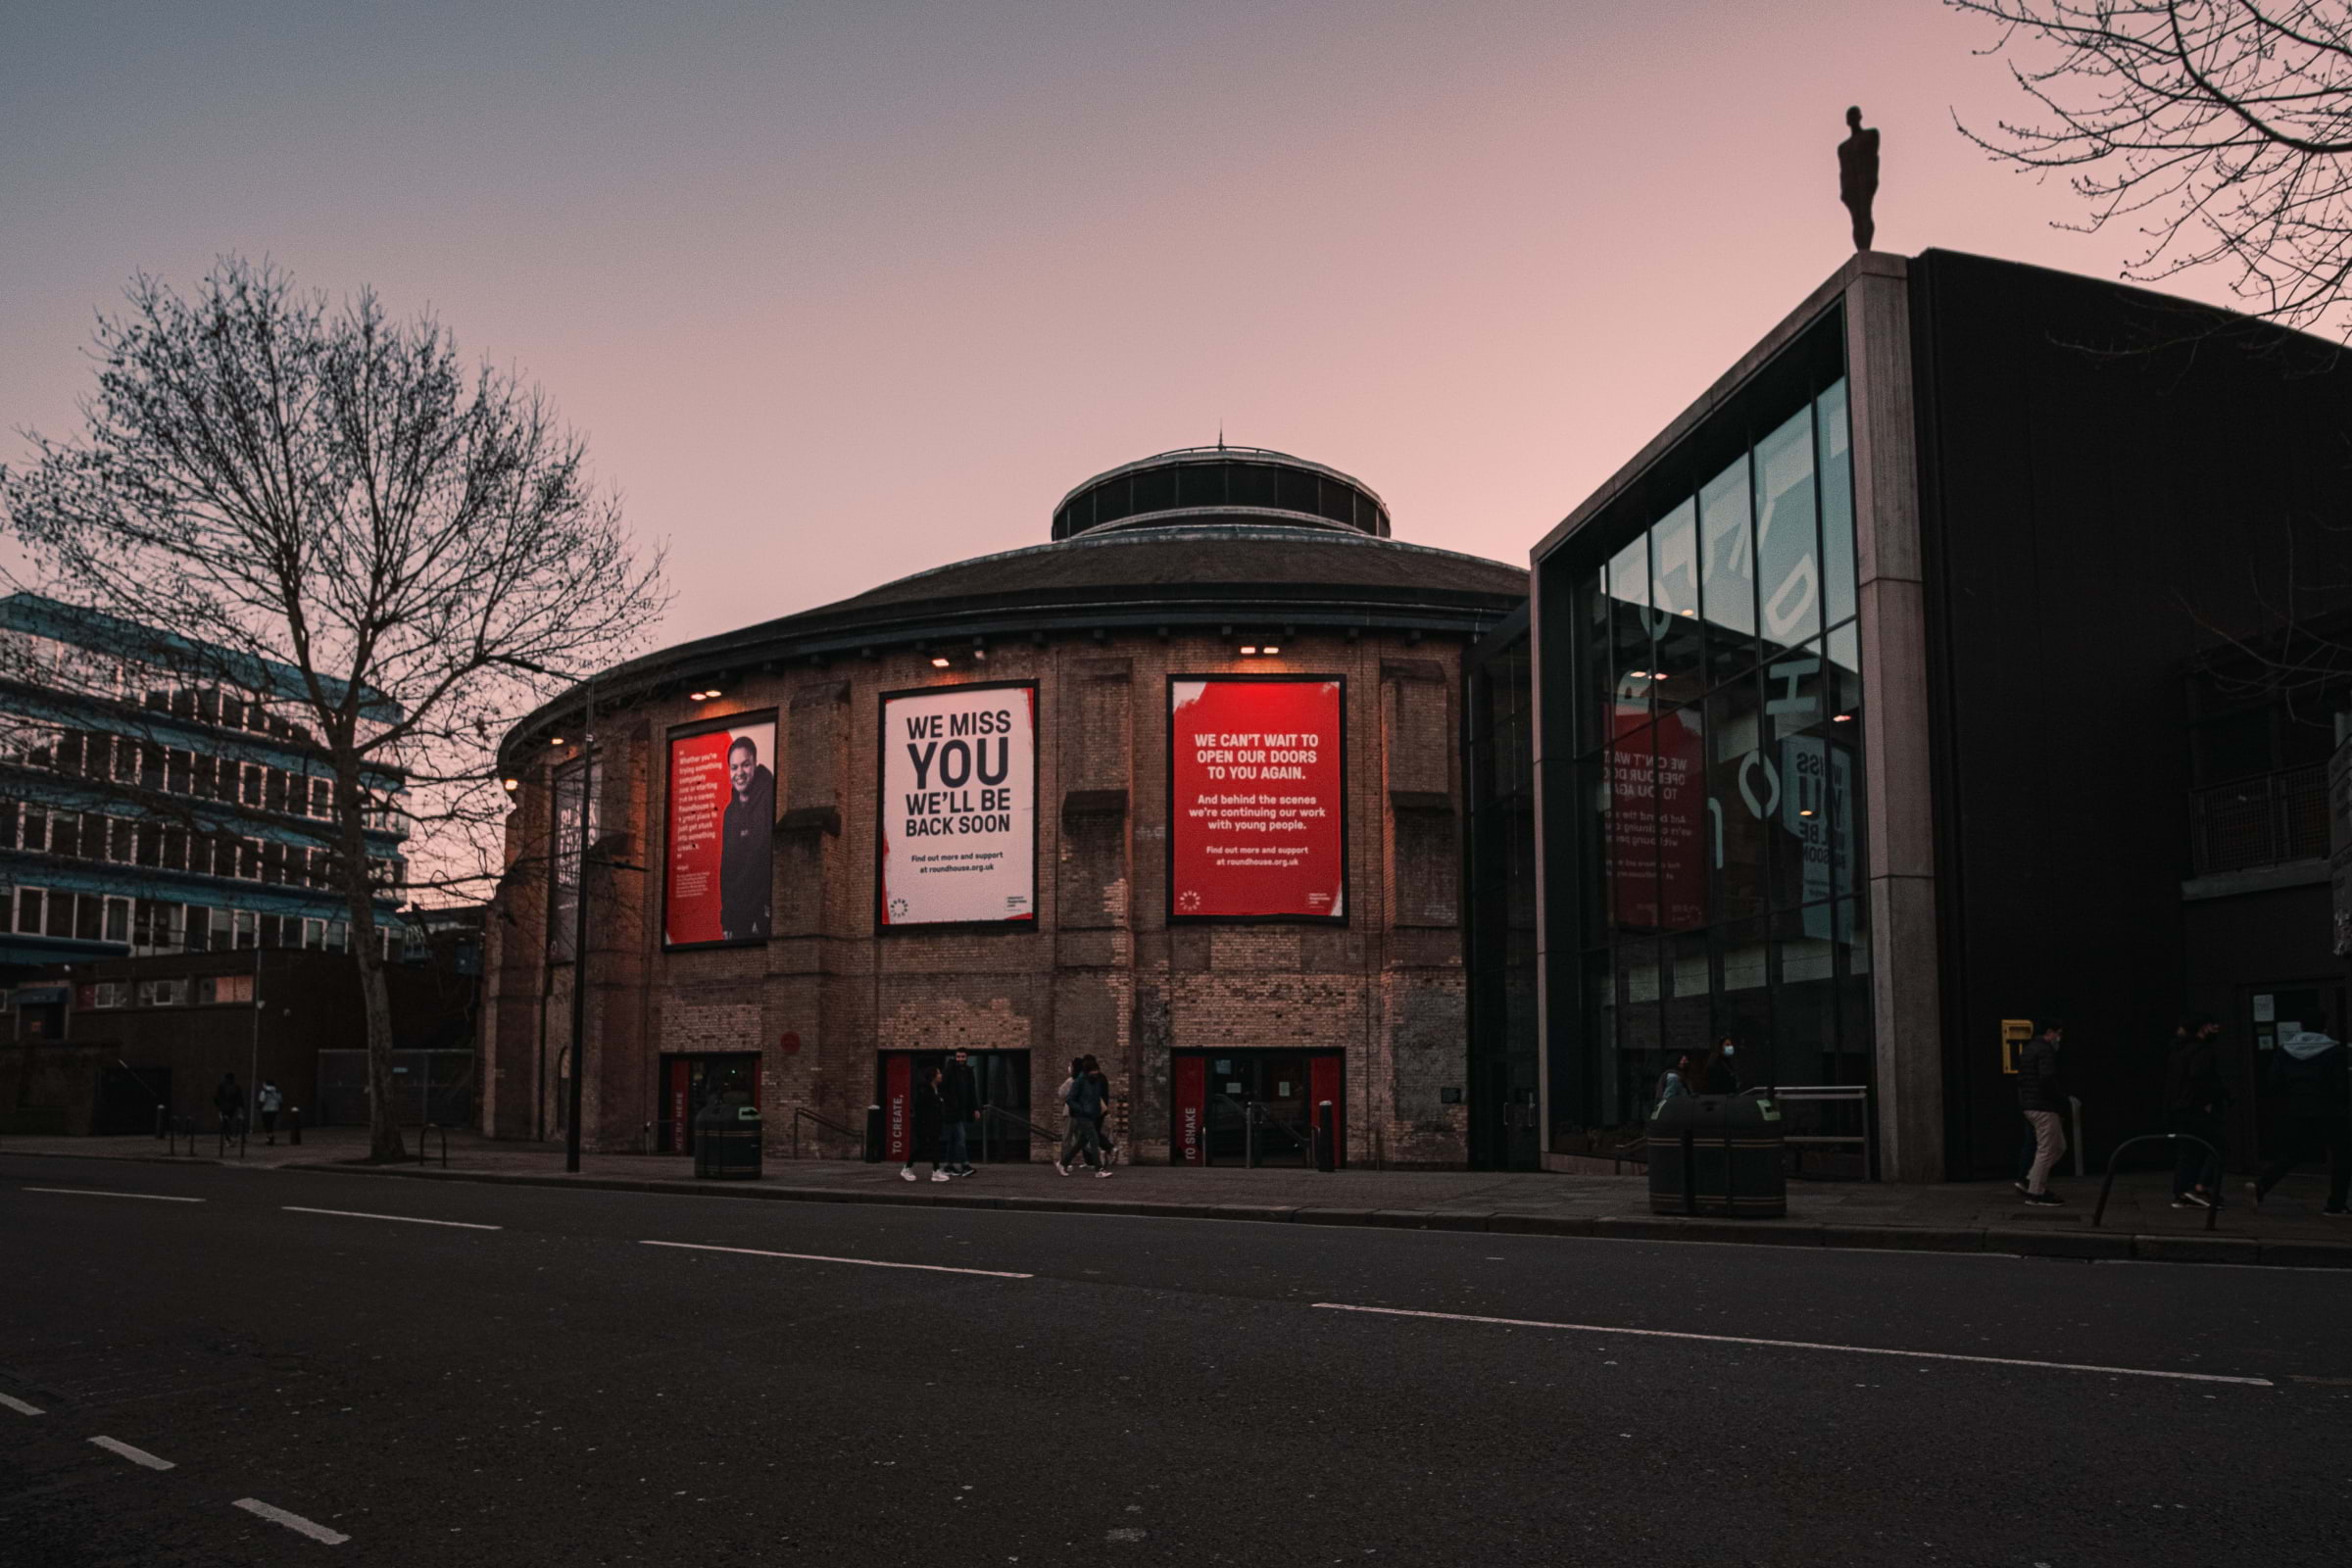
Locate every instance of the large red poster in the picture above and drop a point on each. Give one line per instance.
(1657, 805)
(1258, 804)
(722, 825)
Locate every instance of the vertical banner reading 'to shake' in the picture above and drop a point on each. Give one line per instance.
(1257, 799)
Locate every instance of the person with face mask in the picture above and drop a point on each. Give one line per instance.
(1723, 1068)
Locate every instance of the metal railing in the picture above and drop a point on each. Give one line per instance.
(2213, 1209)
(801, 1113)
(422, 1131)
(2265, 821)
(991, 1114)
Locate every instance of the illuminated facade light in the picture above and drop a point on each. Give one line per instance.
(940, 663)
(1249, 649)
(510, 784)
(1271, 649)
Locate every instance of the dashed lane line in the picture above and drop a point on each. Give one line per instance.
(861, 1262)
(292, 1521)
(1801, 1344)
(404, 1219)
(134, 1455)
(19, 1405)
(99, 1192)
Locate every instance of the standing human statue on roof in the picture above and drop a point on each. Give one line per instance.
(1858, 175)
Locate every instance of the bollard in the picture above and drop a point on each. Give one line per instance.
(1327, 1152)
(294, 1124)
(873, 1134)
(163, 1120)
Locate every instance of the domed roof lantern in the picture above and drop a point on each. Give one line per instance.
(1220, 484)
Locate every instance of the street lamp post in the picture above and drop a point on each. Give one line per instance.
(579, 935)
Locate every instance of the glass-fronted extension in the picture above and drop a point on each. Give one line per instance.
(1704, 754)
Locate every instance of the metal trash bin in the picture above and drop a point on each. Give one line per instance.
(1718, 1154)
(726, 1142)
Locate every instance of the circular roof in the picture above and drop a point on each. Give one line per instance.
(1229, 483)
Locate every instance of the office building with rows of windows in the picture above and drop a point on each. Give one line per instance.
(139, 815)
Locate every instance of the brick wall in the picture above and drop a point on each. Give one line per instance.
(1101, 971)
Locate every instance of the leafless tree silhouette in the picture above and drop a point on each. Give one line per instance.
(311, 504)
(2219, 128)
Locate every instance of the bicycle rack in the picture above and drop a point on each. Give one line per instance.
(422, 1146)
(2213, 1211)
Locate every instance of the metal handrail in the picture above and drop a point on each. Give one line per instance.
(2213, 1210)
(799, 1112)
(992, 1113)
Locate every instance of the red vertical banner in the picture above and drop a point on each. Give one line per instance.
(1257, 807)
(681, 1125)
(1192, 1105)
(720, 887)
(897, 1106)
(1323, 1083)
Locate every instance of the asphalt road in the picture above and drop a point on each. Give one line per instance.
(532, 1383)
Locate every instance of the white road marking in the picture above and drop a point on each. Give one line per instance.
(404, 1219)
(20, 1406)
(96, 1192)
(292, 1521)
(1802, 1344)
(134, 1455)
(861, 1262)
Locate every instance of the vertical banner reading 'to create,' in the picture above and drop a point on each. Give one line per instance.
(1257, 800)
(721, 881)
(959, 840)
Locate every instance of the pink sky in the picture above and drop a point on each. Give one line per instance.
(841, 291)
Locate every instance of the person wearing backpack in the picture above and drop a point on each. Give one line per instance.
(2310, 1072)
(1089, 1099)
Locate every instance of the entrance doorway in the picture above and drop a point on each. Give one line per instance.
(689, 1083)
(1244, 1108)
(1003, 1077)
(2273, 1014)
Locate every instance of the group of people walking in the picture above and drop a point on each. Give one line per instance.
(2308, 1071)
(1713, 1071)
(229, 1102)
(947, 1100)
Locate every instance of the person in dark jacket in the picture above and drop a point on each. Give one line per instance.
(2310, 1072)
(747, 846)
(923, 1135)
(2041, 1096)
(229, 1102)
(2194, 1097)
(1723, 1068)
(958, 1107)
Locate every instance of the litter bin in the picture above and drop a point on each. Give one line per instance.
(1718, 1154)
(726, 1142)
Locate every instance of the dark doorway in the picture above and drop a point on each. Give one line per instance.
(1243, 1108)
(2273, 1012)
(128, 1098)
(689, 1083)
(1004, 1080)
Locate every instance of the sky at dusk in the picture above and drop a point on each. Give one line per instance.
(841, 291)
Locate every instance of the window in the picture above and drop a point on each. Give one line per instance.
(110, 993)
(179, 771)
(249, 860)
(252, 793)
(64, 835)
(36, 828)
(151, 766)
(224, 987)
(174, 850)
(116, 917)
(89, 917)
(338, 936)
(28, 911)
(323, 798)
(249, 929)
(221, 923)
(270, 932)
(273, 789)
(314, 935)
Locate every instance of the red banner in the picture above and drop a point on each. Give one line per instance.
(1192, 1103)
(1258, 804)
(898, 1108)
(722, 822)
(1657, 820)
(1323, 1083)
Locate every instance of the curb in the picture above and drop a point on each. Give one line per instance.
(2093, 1245)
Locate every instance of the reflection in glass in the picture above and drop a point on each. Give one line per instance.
(1632, 854)
(1728, 569)
(1629, 595)
(1836, 506)
(1787, 567)
(1674, 595)
(1740, 793)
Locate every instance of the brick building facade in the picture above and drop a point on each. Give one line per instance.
(1196, 565)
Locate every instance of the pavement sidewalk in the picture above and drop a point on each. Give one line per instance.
(1962, 1217)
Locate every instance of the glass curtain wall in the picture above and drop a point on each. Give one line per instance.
(1718, 718)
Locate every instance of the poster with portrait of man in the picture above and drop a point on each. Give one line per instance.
(720, 885)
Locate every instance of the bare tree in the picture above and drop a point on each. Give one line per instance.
(313, 505)
(2220, 129)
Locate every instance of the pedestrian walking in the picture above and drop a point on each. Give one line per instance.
(959, 1108)
(228, 1100)
(2194, 1097)
(269, 1101)
(2310, 1072)
(1094, 1090)
(923, 1133)
(1074, 1131)
(1676, 1081)
(1722, 1073)
(2041, 1097)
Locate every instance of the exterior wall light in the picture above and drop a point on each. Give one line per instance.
(555, 740)
(511, 785)
(702, 696)
(1249, 649)
(1841, 718)
(1271, 649)
(940, 663)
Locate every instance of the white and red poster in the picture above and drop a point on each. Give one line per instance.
(1257, 800)
(959, 839)
(1657, 855)
(720, 888)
